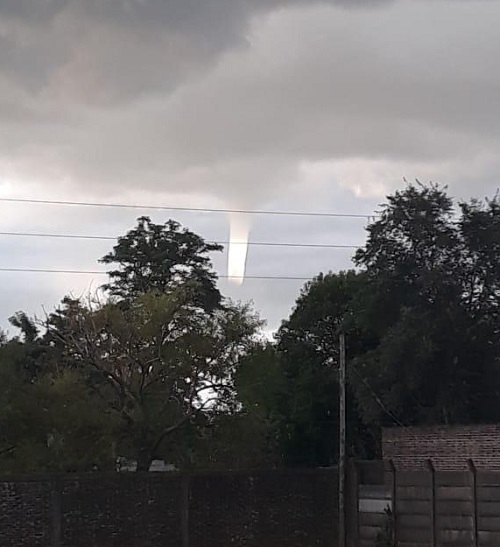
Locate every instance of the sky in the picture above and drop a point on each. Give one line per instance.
(290, 105)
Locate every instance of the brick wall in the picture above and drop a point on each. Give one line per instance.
(449, 448)
(264, 509)
(25, 514)
(273, 509)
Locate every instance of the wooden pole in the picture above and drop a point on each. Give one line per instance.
(342, 440)
(352, 511)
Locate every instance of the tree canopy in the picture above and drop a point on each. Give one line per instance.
(163, 366)
(160, 257)
(420, 313)
(148, 367)
(156, 365)
(432, 297)
(308, 352)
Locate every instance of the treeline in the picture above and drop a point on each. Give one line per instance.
(160, 365)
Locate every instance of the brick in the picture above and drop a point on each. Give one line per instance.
(279, 508)
(449, 448)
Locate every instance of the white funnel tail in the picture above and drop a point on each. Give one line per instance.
(238, 247)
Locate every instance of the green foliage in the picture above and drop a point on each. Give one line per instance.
(165, 368)
(144, 374)
(431, 297)
(249, 436)
(50, 424)
(26, 325)
(308, 353)
(237, 440)
(160, 258)
(422, 325)
(157, 363)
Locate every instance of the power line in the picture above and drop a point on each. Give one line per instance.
(380, 403)
(377, 399)
(100, 272)
(50, 270)
(58, 236)
(186, 209)
(252, 243)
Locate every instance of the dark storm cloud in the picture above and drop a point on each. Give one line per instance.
(164, 93)
(125, 46)
(292, 104)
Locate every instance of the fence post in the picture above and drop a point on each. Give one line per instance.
(432, 472)
(353, 505)
(184, 509)
(473, 471)
(55, 511)
(394, 500)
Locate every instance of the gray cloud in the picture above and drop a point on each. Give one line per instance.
(286, 104)
(100, 52)
(311, 83)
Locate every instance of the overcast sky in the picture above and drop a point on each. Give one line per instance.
(307, 105)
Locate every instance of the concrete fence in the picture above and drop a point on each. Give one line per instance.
(279, 508)
(428, 508)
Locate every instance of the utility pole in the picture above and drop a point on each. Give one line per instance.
(342, 441)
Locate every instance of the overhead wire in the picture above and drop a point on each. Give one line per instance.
(367, 216)
(252, 243)
(190, 209)
(173, 208)
(100, 272)
(187, 209)
(377, 399)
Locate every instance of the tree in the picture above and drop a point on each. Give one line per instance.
(161, 257)
(251, 437)
(26, 350)
(10, 382)
(421, 315)
(50, 421)
(158, 364)
(432, 297)
(308, 353)
(147, 372)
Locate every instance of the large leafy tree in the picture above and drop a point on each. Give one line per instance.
(422, 325)
(308, 353)
(161, 257)
(256, 427)
(159, 365)
(145, 373)
(432, 297)
(49, 421)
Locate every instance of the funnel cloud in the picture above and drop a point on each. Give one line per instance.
(238, 247)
